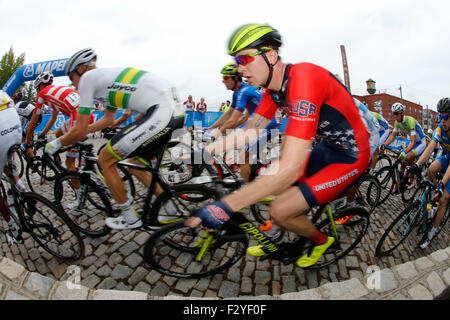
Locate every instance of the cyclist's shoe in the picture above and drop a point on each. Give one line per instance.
(427, 238)
(13, 239)
(256, 251)
(120, 223)
(312, 256)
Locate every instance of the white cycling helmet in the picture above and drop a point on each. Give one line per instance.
(398, 107)
(44, 78)
(82, 57)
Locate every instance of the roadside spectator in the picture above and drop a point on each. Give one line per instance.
(222, 107)
(189, 104)
(201, 106)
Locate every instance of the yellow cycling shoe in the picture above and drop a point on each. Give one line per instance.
(256, 251)
(311, 259)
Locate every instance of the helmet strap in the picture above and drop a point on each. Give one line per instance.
(270, 65)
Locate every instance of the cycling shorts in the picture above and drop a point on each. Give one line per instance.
(328, 173)
(420, 147)
(445, 161)
(144, 138)
(10, 133)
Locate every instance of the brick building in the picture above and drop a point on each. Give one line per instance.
(383, 102)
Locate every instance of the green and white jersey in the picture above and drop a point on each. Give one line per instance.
(411, 127)
(126, 88)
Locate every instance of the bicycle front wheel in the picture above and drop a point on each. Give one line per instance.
(89, 213)
(348, 234)
(399, 229)
(40, 178)
(183, 252)
(386, 177)
(50, 227)
(368, 192)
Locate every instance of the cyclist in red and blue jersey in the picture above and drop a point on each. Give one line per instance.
(245, 97)
(316, 103)
(441, 135)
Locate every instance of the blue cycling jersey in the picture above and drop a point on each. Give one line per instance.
(248, 97)
(440, 136)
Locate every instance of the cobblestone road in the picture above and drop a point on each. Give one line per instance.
(115, 262)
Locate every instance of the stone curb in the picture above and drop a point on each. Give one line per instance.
(422, 279)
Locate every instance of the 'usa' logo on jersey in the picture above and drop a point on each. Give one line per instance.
(304, 108)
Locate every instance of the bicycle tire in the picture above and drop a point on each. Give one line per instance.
(18, 163)
(50, 227)
(40, 181)
(3, 224)
(408, 192)
(350, 234)
(368, 191)
(383, 161)
(386, 177)
(185, 197)
(90, 218)
(171, 250)
(407, 219)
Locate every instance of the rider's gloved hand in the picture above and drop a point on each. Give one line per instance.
(41, 136)
(415, 169)
(24, 146)
(382, 147)
(214, 215)
(53, 146)
(402, 155)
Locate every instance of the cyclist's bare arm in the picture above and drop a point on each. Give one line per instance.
(231, 123)
(243, 119)
(103, 122)
(31, 127)
(240, 137)
(80, 130)
(391, 138)
(224, 117)
(412, 144)
(427, 153)
(124, 117)
(51, 122)
(280, 176)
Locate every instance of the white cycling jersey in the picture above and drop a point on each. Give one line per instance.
(127, 88)
(25, 109)
(10, 133)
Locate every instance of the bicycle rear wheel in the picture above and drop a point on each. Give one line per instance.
(183, 252)
(50, 227)
(349, 234)
(88, 214)
(399, 229)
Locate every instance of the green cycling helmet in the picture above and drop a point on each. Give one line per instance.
(230, 69)
(253, 35)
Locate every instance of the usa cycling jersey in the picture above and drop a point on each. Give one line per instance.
(249, 97)
(60, 98)
(318, 104)
(441, 137)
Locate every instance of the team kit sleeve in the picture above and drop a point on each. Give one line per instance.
(86, 90)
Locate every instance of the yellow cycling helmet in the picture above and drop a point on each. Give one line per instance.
(253, 35)
(230, 69)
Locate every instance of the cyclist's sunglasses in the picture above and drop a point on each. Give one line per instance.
(245, 59)
(226, 77)
(396, 113)
(443, 117)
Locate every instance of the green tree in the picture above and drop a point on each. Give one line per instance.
(9, 63)
(28, 92)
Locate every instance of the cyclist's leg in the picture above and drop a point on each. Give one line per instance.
(143, 176)
(10, 125)
(244, 164)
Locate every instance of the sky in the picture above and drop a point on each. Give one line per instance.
(396, 43)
